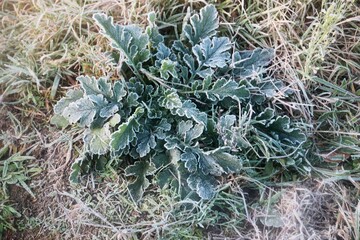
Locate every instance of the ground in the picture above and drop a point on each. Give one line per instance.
(46, 45)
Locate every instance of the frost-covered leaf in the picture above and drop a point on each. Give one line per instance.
(71, 96)
(93, 86)
(162, 128)
(216, 162)
(115, 120)
(202, 25)
(265, 116)
(194, 133)
(132, 100)
(213, 52)
(281, 130)
(171, 143)
(145, 142)
(204, 185)
(183, 127)
(59, 121)
(180, 47)
(167, 68)
(272, 219)
(152, 30)
(248, 63)
(81, 165)
(190, 62)
(190, 160)
(226, 88)
(109, 110)
(126, 132)
(139, 170)
(171, 172)
(119, 91)
(97, 140)
(165, 174)
(190, 110)
(188, 131)
(130, 40)
(82, 110)
(228, 162)
(163, 52)
(170, 100)
(75, 171)
(279, 127)
(225, 127)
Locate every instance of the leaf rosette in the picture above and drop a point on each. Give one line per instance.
(191, 112)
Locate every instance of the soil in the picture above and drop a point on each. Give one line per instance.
(42, 185)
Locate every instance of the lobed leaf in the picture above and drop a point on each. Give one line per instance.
(126, 131)
(190, 110)
(82, 110)
(145, 142)
(71, 96)
(204, 185)
(213, 52)
(139, 170)
(128, 39)
(170, 100)
(223, 88)
(97, 140)
(248, 63)
(202, 25)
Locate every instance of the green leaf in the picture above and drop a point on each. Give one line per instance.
(97, 140)
(59, 121)
(190, 160)
(132, 100)
(126, 131)
(228, 162)
(226, 88)
(82, 110)
(202, 25)
(128, 39)
(216, 162)
(139, 170)
(152, 30)
(145, 142)
(115, 120)
(225, 128)
(204, 185)
(71, 96)
(93, 86)
(119, 91)
(248, 63)
(190, 110)
(281, 130)
(170, 100)
(194, 133)
(213, 53)
(167, 67)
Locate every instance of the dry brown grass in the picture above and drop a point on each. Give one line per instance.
(46, 44)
